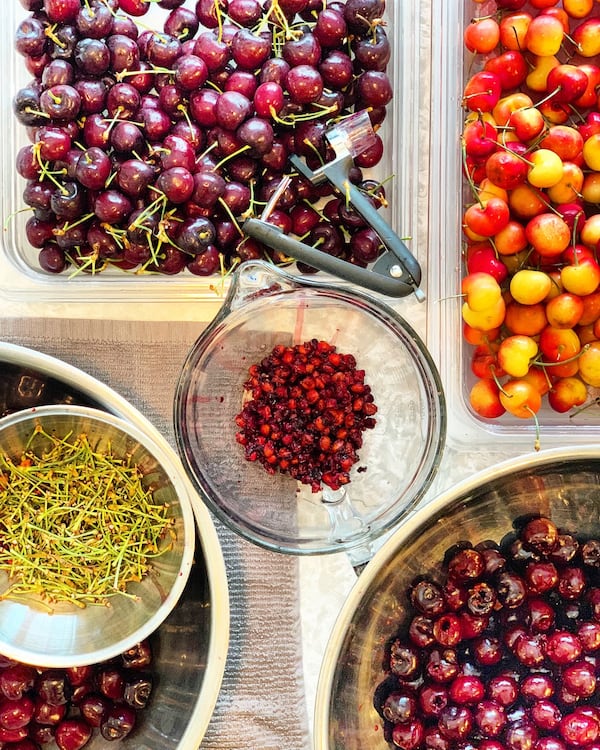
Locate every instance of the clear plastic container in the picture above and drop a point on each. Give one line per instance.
(450, 66)
(20, 275)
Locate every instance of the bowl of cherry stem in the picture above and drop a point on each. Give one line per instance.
(477, 623)
(309, 416)
(98, 535)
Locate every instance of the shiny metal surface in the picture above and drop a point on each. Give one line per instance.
(561, 483)
(190, 647)
(65, 634)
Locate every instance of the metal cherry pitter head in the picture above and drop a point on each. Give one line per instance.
(396, 273)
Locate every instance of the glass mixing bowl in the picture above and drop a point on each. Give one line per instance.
(266, 306)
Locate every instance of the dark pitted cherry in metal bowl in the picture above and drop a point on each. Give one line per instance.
(410, 619)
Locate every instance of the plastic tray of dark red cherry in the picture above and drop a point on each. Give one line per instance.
(155, 128)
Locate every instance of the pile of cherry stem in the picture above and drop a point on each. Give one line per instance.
(149, 148)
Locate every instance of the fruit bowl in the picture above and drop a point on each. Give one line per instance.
(42, 627)
(398, 459)
(188, 662)
(562, 484)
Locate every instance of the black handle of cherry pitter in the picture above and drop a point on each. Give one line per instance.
(273, 237)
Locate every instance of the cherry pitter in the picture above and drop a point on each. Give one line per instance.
(396, 273)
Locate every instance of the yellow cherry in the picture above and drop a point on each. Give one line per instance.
(529, 287)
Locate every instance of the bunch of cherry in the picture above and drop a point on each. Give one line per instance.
(69, 706)
(502, 652)
(530, 219)
(148, 148)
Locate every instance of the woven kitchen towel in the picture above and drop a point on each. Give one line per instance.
(262, 704)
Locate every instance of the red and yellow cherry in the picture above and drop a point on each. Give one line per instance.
(578, 8)
(586, 333)
(567, 393)
(473, 169)
(512, 239)
(484, 398)
(589, 233)
(565, 310)
(572, 213)
(543, 4)
(476, 337)
(527, 123)
(568, 188)
(482, 257)
(520, 398)
(525, 201)
(485, 320)
(589, 364)
(564, 140)
(576, 253)
(586, 37)
(482, 35)
(526, 320)
(530, 286)
(545, 168)
(561, 15)
(479, 138)
(484, 361)
(590, 190)
(548, 234)
(560, 348)
(516, 354)
(487, 218)
(582, 277)
(508, 104)
(555, 113)
(590, 125)
(513, 30)
(539, 379)
(566, 82)
(506, 168)
(482, 91)
(544, 35)
(510, 66)
(481, 291)
(591, 308)
(591, 152)
(589, 98)
(487, 190)
(537, 77)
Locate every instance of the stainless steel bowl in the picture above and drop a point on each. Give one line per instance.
(563, 484)
(66, 634)
(190, 647)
